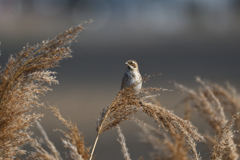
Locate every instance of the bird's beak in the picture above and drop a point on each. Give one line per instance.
(126, 63)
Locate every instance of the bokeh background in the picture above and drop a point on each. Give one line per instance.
(180, 39)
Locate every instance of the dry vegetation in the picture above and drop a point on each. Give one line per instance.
(26, 77)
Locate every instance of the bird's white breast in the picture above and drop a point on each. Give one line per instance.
(135, 78)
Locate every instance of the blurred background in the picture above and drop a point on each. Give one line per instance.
(179, 39)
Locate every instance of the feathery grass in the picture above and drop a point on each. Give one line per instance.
(24, 79)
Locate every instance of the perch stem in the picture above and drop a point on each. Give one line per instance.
(95, 143)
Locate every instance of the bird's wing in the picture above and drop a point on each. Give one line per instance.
(124, 81)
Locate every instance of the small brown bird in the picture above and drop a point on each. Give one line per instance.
(132, 76)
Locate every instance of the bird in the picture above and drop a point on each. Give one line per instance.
(132, 77)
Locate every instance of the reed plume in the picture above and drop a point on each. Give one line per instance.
(24, 79)
(126, 104)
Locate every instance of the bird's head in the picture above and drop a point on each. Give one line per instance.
(132, 64)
